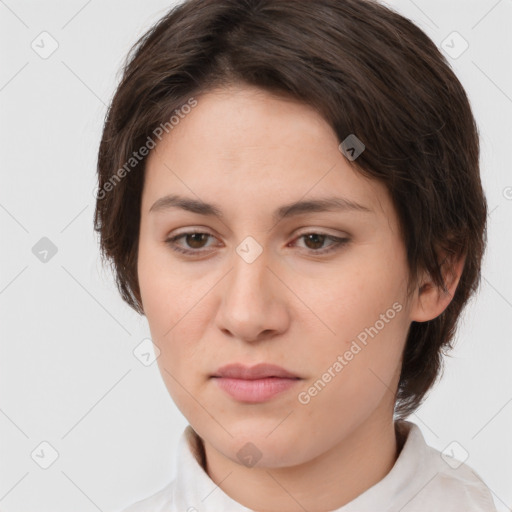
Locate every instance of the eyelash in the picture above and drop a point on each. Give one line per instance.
(338, 243)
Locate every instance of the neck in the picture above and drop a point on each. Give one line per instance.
(327, 482)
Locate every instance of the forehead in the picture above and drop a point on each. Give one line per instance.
(241, 143)
(247, 122)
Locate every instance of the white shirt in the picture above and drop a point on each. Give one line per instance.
(419, 481)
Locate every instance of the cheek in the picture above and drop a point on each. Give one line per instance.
(353, 379)
(167, 307)
(354, 297)
(367, 312)
(181, 360)
(166, 295)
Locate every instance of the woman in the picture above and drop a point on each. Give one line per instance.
(289, 191)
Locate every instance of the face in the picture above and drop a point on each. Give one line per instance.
(319, 292)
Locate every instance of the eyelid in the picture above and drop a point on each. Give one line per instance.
(337, 241)
(296, 234)
(320, 231)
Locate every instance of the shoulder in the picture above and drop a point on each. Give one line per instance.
(158, 502)
(461, 483)
(446, 483)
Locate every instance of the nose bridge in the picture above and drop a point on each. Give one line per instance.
(250, 273)
(248, 306)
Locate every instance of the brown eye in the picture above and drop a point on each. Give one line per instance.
(314, 242)
(195, 243)
(195, 240)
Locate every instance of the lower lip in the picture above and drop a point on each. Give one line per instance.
(254, 391)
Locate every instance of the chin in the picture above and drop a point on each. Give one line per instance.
(269, 447)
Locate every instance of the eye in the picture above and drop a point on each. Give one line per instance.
(195, 241)
(314, 241)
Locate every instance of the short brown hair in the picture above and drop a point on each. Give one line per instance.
(368, 71)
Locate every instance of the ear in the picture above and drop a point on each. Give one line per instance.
(429, 300)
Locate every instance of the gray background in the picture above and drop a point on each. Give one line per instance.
(68, 374)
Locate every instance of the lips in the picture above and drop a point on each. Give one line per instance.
(259, 371)
(254, 384)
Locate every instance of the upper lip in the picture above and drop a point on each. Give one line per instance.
(259, 371)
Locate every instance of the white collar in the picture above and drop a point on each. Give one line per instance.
(419, 481)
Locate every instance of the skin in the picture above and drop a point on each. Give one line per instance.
(251, 152)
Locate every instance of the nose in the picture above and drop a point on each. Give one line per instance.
(252, 301)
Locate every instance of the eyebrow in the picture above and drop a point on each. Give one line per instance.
(327, 204)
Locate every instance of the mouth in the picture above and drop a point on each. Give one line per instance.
(259, 371)
(254, 384)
